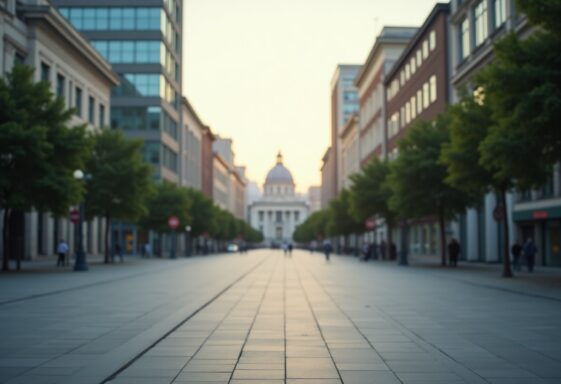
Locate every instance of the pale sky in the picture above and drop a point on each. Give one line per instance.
(259, 71)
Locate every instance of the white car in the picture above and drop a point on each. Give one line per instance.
(233, 248)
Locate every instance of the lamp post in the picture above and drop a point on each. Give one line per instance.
(188, 240)
(80, 264)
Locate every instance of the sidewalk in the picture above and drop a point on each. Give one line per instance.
(544, 282)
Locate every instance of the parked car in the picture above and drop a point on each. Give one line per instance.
(232, 248)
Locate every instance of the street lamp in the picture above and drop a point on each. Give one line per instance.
(80, 264)
(188, 240)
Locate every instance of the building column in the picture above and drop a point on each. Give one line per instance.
(30, 236)
(472, 236)
(491, 230)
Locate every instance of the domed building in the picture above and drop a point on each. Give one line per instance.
(280, 210)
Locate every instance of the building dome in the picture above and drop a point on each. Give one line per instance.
(279, 174)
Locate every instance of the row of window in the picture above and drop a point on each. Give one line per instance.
(157, 153)
(137, 51)
(278, 215)
(374, 103)
(114, 19)
(146, 84)
(412, 64)
(143, 119)
(65, 89)
(123, 19)
(420, 101)
(481, 20)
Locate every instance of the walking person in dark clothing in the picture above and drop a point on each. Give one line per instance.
(383, 249)
(454, 252)
(516, 251)
(61, 250)
(393, 251)
(119, 252)
(530, 251)
(327, 249)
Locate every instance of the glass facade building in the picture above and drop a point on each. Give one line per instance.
(142, 41)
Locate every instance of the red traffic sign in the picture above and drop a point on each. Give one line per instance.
(75, 216)
(173, 222)
(370, 223)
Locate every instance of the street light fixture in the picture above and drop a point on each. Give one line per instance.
(80, 264)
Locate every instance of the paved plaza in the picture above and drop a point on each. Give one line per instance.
(267, 318)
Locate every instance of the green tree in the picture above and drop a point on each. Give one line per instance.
(166, 200)
(39, 151)
(418, 178)
(467, 158)
(201, 212)
(341, 222)
(120, 180)
(522, 87)
(313, 228)
(370, 195)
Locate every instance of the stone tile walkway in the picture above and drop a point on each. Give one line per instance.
(266, 318)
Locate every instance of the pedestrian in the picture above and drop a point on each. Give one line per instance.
(453, 252)
(530, 251)
(119, 251)
(61, 250)
(516, 251)
(383, 249)
(374, 250)
(290, 248)
(365, 251)
(393, 251)
(327, 248)
(148, 249)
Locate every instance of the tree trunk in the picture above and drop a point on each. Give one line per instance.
(389, 243)
(442, 225)
(6, 239)
(507, 271)
(107, 232)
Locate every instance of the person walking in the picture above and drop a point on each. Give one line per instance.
(393, 251)
(383, 249)
(327, 248)
(374, 250)
(119, 251)
(516, 251)
(365, 251)
(290, 248)
(530, 251)
(61, 250)
(454, 252)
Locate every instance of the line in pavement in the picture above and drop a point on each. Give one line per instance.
(111, 364)
(455, 366)
(83, 286)
(316, 321)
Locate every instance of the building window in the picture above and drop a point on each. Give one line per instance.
(407, 112)
(128, 51)
(60, 83)
(402, 116)
(481, 30)
(413, 108)
(432, 88)
(296, 216)
(500, 12)
(432, 40)
(419, 101)
(169, 159)
(91, 110)
(45, 72)
(425, 49)
(260, 215)
(279, 216)
(151, 152)
(78, 101)
(419, 58)
(19, 58)
(101, 115)
(465, 42)
(402, 77)
(413, 65)
(136, 118)
(426, 95)
(102, 18)
(407, 72)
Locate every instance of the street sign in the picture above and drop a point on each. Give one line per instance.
(370, 223)
(75, 216)
(173, 222)
(499, 213)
